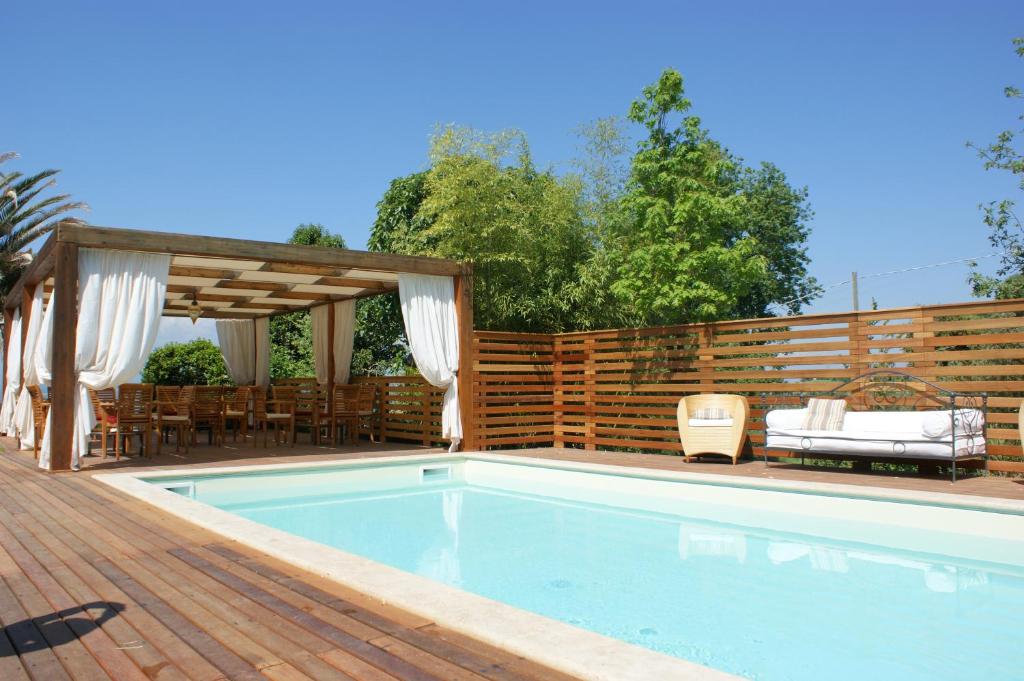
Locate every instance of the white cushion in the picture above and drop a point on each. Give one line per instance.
(934, 424)
(705, 423)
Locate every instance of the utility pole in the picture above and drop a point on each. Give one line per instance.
(856, 297)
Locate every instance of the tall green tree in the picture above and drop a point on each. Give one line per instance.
(380, 346)
(27, 212)
(521, 227)
(198, 362)
(291, 335)
(704, 237)
(1006, 228)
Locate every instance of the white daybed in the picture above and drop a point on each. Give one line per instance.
(936, 434)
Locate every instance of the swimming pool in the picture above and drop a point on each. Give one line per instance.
(759, 580)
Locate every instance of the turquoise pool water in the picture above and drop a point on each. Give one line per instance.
(764, 604)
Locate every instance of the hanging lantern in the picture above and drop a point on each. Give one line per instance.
(194, 311)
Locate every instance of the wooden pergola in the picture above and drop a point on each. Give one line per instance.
(227, 278)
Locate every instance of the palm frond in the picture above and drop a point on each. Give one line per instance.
(26, 214)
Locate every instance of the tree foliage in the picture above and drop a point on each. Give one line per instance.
(197, 362)
(704, 237)
(380, 346)
(1006, 228)
(291, 335)
(681, 231)
(27, 213)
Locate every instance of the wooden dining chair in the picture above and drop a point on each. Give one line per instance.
(172, 411)
(277, 412)
(208, 412)
(40, 409)
(104, 407)
(307, 409)
(343, 406)
(354, 408)
(237, 409)
(134, 416)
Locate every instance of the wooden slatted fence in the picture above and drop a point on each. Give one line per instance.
(513, 403)
(410, 409)
(618, 389)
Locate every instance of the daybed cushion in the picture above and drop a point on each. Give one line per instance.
(824, 414)
(826, 441)
(932, 425)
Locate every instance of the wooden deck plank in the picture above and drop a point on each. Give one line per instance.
(217, 599)
(39, 660)
(163, 639)
(128, 555)
(73, 655)
(75, 614)
(108, 562)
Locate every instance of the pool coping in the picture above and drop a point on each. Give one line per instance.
(556, 644)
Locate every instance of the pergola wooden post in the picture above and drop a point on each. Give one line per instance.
(330, 360)
(65, 330)
(230, 279)
(464, 314)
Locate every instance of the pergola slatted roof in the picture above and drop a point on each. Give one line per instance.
(237, 278)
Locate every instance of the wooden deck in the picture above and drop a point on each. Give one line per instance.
(95, 585)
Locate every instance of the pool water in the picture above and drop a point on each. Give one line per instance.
(761, 603)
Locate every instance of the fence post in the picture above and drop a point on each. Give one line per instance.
(557, 394)
(589, 393)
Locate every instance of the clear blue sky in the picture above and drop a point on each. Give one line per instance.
(245, 119)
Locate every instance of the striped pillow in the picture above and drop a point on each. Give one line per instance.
(711, 414)
(824, 414)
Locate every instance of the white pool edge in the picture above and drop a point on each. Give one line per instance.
(558, 645)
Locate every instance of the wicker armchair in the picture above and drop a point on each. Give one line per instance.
(724, 435)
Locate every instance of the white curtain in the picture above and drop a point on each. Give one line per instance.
(318, 316)
(120, 302)
(431, 326)
(344, 334)
(12, 368)
(24, 423)
(263, 351)
(237, 341)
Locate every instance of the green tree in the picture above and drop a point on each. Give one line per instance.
(291, 334)
(27, 213)
(379, 346)
(1006, 229)
(521, 227)
(197, 362)
(704, 237)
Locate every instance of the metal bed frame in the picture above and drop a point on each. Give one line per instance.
(886, 389)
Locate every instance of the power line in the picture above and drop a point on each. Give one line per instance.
(821, 292)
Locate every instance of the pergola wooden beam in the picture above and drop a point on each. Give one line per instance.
(239, 249)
